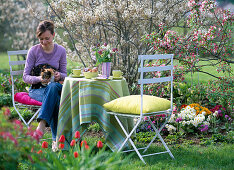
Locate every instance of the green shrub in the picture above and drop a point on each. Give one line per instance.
(221, 92)
(94, 127)
(5, 99)
(6, 84)
(144, 137)
(25, 113)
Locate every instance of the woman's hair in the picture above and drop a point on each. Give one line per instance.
(44, 26)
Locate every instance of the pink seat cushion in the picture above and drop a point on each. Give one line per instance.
(23, 97)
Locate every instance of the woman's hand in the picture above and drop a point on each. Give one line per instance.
(57, 76)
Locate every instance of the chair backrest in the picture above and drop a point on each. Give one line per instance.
(16, 66)
(144, 69)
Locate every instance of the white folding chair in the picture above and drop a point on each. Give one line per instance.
(146, 116)
(16, 70)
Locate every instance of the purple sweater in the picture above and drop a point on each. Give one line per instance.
(37, 56)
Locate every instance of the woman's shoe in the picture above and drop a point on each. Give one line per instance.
(54, 146)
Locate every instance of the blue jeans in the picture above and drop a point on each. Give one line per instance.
(50, 97)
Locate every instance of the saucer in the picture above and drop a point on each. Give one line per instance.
(117, 78)
(74, 76)
(101, 78)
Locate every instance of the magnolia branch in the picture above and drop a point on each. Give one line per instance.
(72, 40)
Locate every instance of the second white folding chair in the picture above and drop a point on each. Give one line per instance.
(142, 114)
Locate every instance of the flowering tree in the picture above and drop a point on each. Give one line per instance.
(207, 37)
(120, 24)
(20, 19)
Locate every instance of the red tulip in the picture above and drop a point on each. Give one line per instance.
(99, 144)
(86, 147)
(84, 141)
(77, 135)
(73, 143)
(44, 144)
(61, 146)
(76, 154)
(39, 152)
(62, 138)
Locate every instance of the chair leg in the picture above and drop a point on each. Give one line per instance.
(160, 137)
(20, 116)
(165, 145)
(125, 132)
(35, 114)
(129, 139)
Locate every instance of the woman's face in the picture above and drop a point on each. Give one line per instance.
(46, 39)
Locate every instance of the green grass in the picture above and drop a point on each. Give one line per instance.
(202, 77)
(187, 157)
(4, 61)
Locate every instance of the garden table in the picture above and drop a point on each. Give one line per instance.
(82, 103)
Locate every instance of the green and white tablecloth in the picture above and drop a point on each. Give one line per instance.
(82, 102)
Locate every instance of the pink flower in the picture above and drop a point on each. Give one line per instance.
(100, 52)
(6, 111)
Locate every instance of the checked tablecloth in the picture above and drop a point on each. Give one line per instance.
(82, 102)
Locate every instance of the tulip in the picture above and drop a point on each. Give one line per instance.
(39, 152)
(86, 147)
(99, 144)
(61, 146)
(44, 144)
(62, 139)
(76, 154)
(84, 141)
(77, 135)
(73, 142)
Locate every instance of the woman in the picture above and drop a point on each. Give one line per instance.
(47, 52)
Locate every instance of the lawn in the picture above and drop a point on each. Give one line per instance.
(186, 157)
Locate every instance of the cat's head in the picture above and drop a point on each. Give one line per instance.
(47, 73)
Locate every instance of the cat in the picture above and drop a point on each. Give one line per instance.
(46, 71)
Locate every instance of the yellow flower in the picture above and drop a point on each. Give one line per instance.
(199, 109)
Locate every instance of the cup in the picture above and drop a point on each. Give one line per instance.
(117, 73)
(76, 72)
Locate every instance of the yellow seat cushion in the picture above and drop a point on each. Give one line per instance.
(132, 104)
